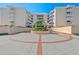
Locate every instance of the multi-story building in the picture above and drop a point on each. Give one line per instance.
(29, 20)
(51, 17)
(59, 17)
(14, 15)
(40, 16)
(65, 16)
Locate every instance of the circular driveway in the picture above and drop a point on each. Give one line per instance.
(32, 44)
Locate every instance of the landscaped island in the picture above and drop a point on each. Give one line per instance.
(39, 27)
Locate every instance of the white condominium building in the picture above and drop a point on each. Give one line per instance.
(14, 16)
(59, 17)
(64, 16)
(29, 20)
(40, 16)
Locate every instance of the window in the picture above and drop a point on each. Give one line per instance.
(51, 22)
(12, 23)
(68, 12)
(69, 17)
(68, 21)
(12, 8)
(12, 14)
(39, 16)
(30, 20)
(28, 23)
(29, 26)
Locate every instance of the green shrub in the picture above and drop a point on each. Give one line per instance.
(39, 26)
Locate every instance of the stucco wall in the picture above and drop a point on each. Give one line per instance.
(63, 29)
(4, 29)
(7, 29)
(75, 29)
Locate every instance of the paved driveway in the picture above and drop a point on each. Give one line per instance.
(33, 44)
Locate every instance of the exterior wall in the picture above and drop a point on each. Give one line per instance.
(29, 20)
(4, 16)
(73, 15)
(13, 16)
(51, 20)
(54, 18)
(20, 16)
(75, 29)
(34, 19)
(76, 20)
(67, 29)
(45, 18)
(60, 17)
(4, 29)
(19, 30)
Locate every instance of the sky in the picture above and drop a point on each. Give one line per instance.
(38, 7)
